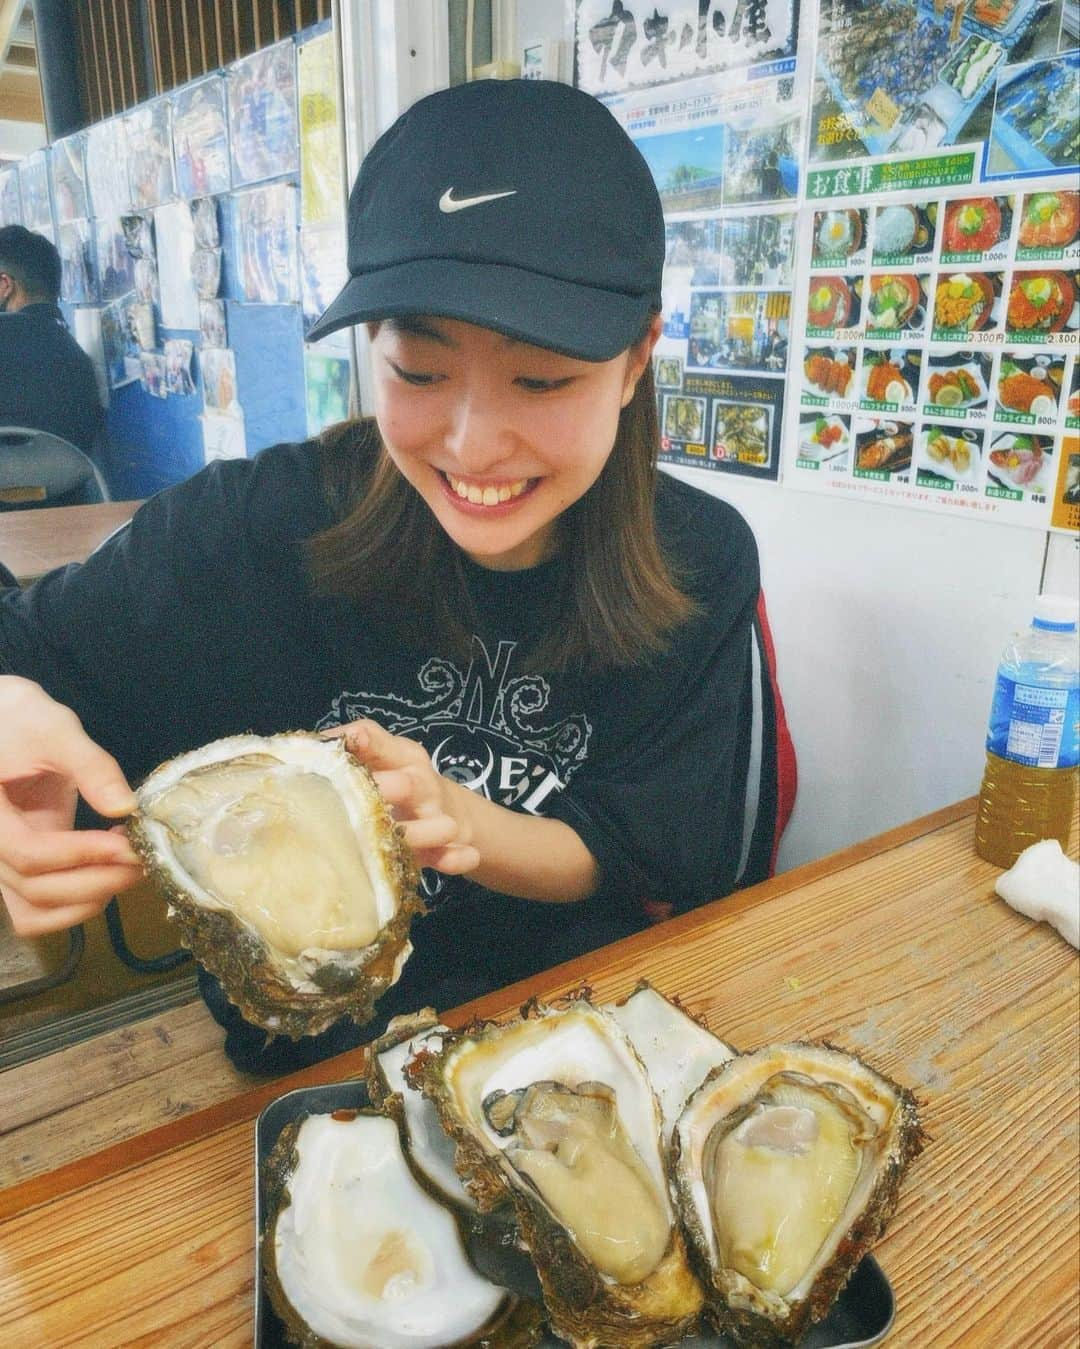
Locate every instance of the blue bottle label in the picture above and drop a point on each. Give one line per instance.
(1035, 726)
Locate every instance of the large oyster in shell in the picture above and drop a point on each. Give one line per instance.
(356, 1253)
(787, 1164)
(556, 1111)
(286, 873)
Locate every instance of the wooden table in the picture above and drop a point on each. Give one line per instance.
(35, 541)
(896, 948)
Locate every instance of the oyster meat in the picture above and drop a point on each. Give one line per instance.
(286, 873)
(787, 1165)
(357, 1254)
(556, 1112)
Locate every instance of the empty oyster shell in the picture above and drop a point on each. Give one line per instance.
(286, 873)
(356, 1253)
(555, 1110)
(787, 1165)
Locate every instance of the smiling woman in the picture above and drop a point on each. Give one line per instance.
(541, 648)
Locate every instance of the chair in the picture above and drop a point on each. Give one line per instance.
(40, 469)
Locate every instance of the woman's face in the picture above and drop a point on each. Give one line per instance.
(498, 437)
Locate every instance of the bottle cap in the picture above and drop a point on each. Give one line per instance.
(1058, 613)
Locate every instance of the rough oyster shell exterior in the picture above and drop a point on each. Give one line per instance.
(585, 1306)
(767, 1320)
(250, 972)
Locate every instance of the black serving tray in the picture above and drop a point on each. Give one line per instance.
(862, 1315)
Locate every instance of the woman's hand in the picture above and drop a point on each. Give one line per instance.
(51, 875)
(455, 830)
(431, 810)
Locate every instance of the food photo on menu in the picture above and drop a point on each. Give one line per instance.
(966, 302)
(949, 456)
(891, 377)
(903, 234)
(1020, 463)
(828, 372)
(741, 433)
(1029, 387)
(976, 229)
(1072, 403)
(833, 303)
(1042, 302)
(957, 381)
(895, 303)
(825, 438)
(1049, 225)
(883, 447)
(839, 237)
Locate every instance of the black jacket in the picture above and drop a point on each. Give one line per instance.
(46, 379)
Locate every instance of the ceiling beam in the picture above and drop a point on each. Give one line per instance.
(11, 11)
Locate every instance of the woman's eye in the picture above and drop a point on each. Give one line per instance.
(543, 385)
(413, 376)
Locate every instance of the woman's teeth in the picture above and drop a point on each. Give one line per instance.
(487, 496)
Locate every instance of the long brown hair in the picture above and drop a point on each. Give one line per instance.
(621, 597)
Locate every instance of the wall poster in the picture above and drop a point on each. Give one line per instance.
(872, 281)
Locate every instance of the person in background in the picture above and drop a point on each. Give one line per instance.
(46, 379)
(542, 648)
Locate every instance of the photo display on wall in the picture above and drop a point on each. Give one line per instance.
(872, 279)
(169, 213)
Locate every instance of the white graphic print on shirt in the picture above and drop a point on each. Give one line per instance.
(481, 727)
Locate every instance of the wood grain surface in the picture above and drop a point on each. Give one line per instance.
(898, 950)
(34, 542)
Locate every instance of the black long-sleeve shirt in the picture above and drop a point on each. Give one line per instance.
(197, 621)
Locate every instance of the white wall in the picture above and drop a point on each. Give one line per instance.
(888, 625)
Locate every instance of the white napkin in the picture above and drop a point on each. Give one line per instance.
(1044, 884)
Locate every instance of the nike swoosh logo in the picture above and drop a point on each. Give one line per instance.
(448, 203)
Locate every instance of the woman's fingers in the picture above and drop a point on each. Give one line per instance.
(93, 885)
(29, 851)
(377, 749)
(455, 860)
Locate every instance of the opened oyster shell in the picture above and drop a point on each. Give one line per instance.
(356, 1253)
(286, 873)
(431, 1151)
(787, 1165)
(555, 1110)
(678, 1051)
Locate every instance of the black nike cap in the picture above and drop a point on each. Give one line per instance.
(517, 205)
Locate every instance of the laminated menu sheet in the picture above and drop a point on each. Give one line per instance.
(872, 282)
(936, 339)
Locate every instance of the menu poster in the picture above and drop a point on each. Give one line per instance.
(106, 168)
(34, 190)
(936, 338)
(895, 77)
(150, 159)
(200, 138)
(322, 166)
(617, 48)
(726, 168)
(10, 204)
(69, 179)
(263, 130)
